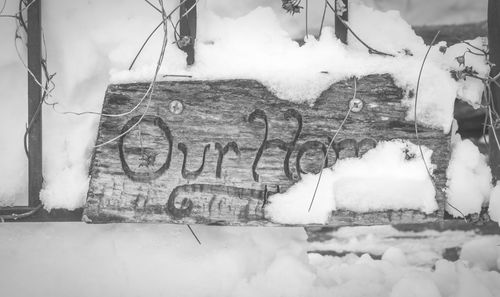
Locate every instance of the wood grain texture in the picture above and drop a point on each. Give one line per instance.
(218, 161)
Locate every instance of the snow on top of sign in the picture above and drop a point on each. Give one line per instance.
(255, 46)
(390, 176)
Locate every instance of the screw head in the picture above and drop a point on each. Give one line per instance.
(356, 105)
(176, 107)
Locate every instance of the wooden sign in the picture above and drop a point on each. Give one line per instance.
(212, 152)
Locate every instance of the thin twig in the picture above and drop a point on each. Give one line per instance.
(330, 146)
(416, 123)
(485, 52)
(194, 234)
(371, 50)
(322, 20)
(144, 44)
(150, 90)
(152, 5)
(15, 217)
(3, 6)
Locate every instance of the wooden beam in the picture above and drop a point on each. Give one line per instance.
(494, 55)
(340, 28)
(40, 215)
(188, 28)
(34, 98)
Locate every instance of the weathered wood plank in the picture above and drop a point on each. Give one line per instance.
(203, 154)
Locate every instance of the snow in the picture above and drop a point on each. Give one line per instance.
(395, 256)
(75, 259)
(418, 286)
(469, 179)
(471, 89)
(387, 31)
(482, 253)
(390, 176)
(255, 46)
(292, 206)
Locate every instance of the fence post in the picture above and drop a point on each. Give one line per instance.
(34, 98)
(188, 28)
(494, 56)
(340, 28)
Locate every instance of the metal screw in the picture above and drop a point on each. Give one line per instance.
(176, 107)
(356, 105)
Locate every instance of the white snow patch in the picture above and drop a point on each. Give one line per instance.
(470, 89)
(293, 206)
(469, 179)
(390, 176)
(482, 252)
(395, 256)
(255, 46)
(385, 31)
(415, 286)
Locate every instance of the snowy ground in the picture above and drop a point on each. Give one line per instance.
(74, 259)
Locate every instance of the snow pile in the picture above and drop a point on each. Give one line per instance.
(75, 259)
(67, 175)
(469, 179)
(469, 89)
(384, 31)
(482, 253)
(255, 46)
(292, 207)
(395, 255)
(390, 176)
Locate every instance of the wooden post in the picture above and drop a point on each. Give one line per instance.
(494, 55)
(188, 28)
(34, 98)
(340, 28)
